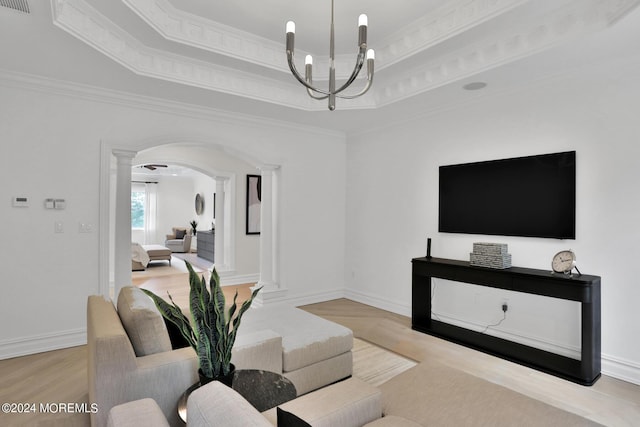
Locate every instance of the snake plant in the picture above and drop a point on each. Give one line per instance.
(213, 330)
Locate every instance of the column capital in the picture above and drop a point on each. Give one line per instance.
(124, 154)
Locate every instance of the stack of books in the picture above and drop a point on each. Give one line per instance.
(491, 255)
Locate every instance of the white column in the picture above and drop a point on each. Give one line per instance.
(268, 231)
(122, 261)
(219, 236)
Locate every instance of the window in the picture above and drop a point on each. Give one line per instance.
(138, 209)
(143, 212)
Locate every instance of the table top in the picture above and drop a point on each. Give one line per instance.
(262, 389)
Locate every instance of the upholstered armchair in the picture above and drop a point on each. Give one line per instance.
(179, 240)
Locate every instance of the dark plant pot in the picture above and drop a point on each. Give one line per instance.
(224, 379)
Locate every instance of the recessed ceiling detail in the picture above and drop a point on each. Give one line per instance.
(458, 40)
(186, 28)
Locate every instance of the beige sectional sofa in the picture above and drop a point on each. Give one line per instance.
(130, 355)
(429, 394)
(349, 403)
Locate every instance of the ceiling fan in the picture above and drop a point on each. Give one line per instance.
(153, 167)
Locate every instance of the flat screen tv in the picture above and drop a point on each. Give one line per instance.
(532, 196)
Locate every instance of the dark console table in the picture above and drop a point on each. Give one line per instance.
(206, 244)
(582, 288)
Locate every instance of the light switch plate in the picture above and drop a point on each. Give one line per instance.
(20, 202)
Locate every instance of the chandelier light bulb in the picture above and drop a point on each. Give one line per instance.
(371, 54)
(308, 60)
(291, 27)
(362, 20)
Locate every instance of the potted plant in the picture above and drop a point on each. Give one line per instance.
(193, 224)
(213, 330)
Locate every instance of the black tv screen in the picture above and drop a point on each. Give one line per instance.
(532, 196)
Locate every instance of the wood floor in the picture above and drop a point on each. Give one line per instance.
(610, 401)
(61, 376)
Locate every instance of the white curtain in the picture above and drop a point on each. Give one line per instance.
(150, 212)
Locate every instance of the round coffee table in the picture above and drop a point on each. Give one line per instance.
(262, 389)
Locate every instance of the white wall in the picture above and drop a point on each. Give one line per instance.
(206, 187)
(393, 206)
(51, 147)
(176, 204)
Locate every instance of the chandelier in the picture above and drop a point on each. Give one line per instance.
(332, 92)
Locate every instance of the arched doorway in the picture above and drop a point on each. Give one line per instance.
(115, 220)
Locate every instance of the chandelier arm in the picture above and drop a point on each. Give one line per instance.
(298, 77)
(354, 74)
(362, 92)
(367, 86)
(314, 96)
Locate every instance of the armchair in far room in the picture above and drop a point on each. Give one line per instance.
(179, 240)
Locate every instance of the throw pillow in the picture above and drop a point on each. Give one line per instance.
(180, 234)
(143, 322)
(287, 419)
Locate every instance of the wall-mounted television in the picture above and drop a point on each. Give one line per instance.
(532, 196)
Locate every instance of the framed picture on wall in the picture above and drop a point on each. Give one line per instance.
(254, 196)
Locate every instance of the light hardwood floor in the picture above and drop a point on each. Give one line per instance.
(610, 401)
(61, 376)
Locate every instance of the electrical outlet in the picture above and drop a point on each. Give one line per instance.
(85, 227)
(505, 306)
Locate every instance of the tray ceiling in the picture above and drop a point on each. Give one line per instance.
(237, 48)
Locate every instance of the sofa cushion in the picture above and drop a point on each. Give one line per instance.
(157, 251)
(180, 234)
(216, 404)
(348, 403)
(306, 338)
(143, 412)
(258, 350)
(393, 421)
(143, 322)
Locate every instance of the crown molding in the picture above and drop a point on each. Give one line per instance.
(577, 18)
(81, 20)
(444, 23)
(573, 19)
(198, 32)
(23, 81)
(193, 30)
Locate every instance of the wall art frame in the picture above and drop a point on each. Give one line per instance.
(253, 206)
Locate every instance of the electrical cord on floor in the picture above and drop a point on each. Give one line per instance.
(495, 324)
(435, 315)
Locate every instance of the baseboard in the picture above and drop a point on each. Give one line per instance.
(621, 369)
(614, 367)
(41, 343)
(514, 336)
(405, 310)
(238, 279)
(375, 301)
(314, 298)
(273, 296)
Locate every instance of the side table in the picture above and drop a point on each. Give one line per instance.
(262, 389)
